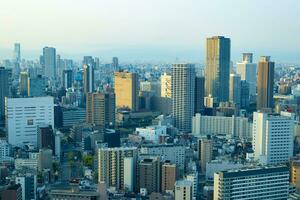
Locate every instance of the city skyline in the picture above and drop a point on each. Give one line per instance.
(151, 35)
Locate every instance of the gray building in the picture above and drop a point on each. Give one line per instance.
(37, 86)
(199, 93)
(5, 84)
(49, 61)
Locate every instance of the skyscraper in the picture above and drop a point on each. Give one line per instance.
(247, 70)
(168, 176)
(23, 83)
(235, 88)
(100, 109)
(265, 82)
(5, 84)
(244, 95)
(37, 86)
(183, 95)
(49, 61)
(199, 93)
(115, 63)
(126, 90)
(166, 85)
(67, 78)
(217, 68)
(17, 52)
(88, 78)
(272, 138)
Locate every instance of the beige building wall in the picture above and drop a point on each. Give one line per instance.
(166, 85)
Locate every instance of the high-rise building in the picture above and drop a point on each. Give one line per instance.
(45, 137)
(247, 70)
(37, 86)
(28, 185)
(67, 78)
(235, 89)
(183, 95)
(199, 93)
(205, 149)
(245, 96)
(149, 174)
(88, 60)
(126, 90)
(265, 82)
(168, 176)
(88, 78)
(272, 138)
(111, 165)
(295, 172)
(5, 91)
(270, 182)
(217, 68)
(100, 109)
(49, 61)
(166, 85)
(115, 63)
(183, 190)
(24, 83)
(129, 176)
(17, 52)
(24, 115)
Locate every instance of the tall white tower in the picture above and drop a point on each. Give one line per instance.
(183, 94)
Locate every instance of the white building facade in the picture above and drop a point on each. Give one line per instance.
(273, 138)
(24, 115)
(152, 133)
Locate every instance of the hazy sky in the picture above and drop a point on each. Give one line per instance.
(150, 29)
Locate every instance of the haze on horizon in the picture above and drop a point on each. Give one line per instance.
(150, 29)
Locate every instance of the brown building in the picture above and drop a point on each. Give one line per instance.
(168, 176)
(100, 109)
(295, 172)
(149, 174)
(126, 90)
(13, 192)
(205, 148)
(265, 82)
(46, 138)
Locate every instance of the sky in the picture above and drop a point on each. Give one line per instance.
(150, 29)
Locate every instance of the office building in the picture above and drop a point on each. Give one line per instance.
(71, 194)
(17, 52)
(168, 176)
(235, 89)
(295, 172)
(233, 126)
(183, 95)
(199, 93)
(205, 151)
(265, 83)
(45, 137)
(88, 78)
(24, 115)
(5, 91)
(28, 185)
(5, 149)
(111, 165)
(257, 183)
(247, 70)
(272, 138)
(100, 109)
(126, 90)
(23, 87)
(183, 190)
(37, 86)
(152, 133)
(149, 174)
(168, 152)
(12, 192)
(166, 85)
(193, 177)
(129, 176)
(49, 61)
(88, 60)
(245, 95)
(67, 78)
(217, 68)
(115, 63)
